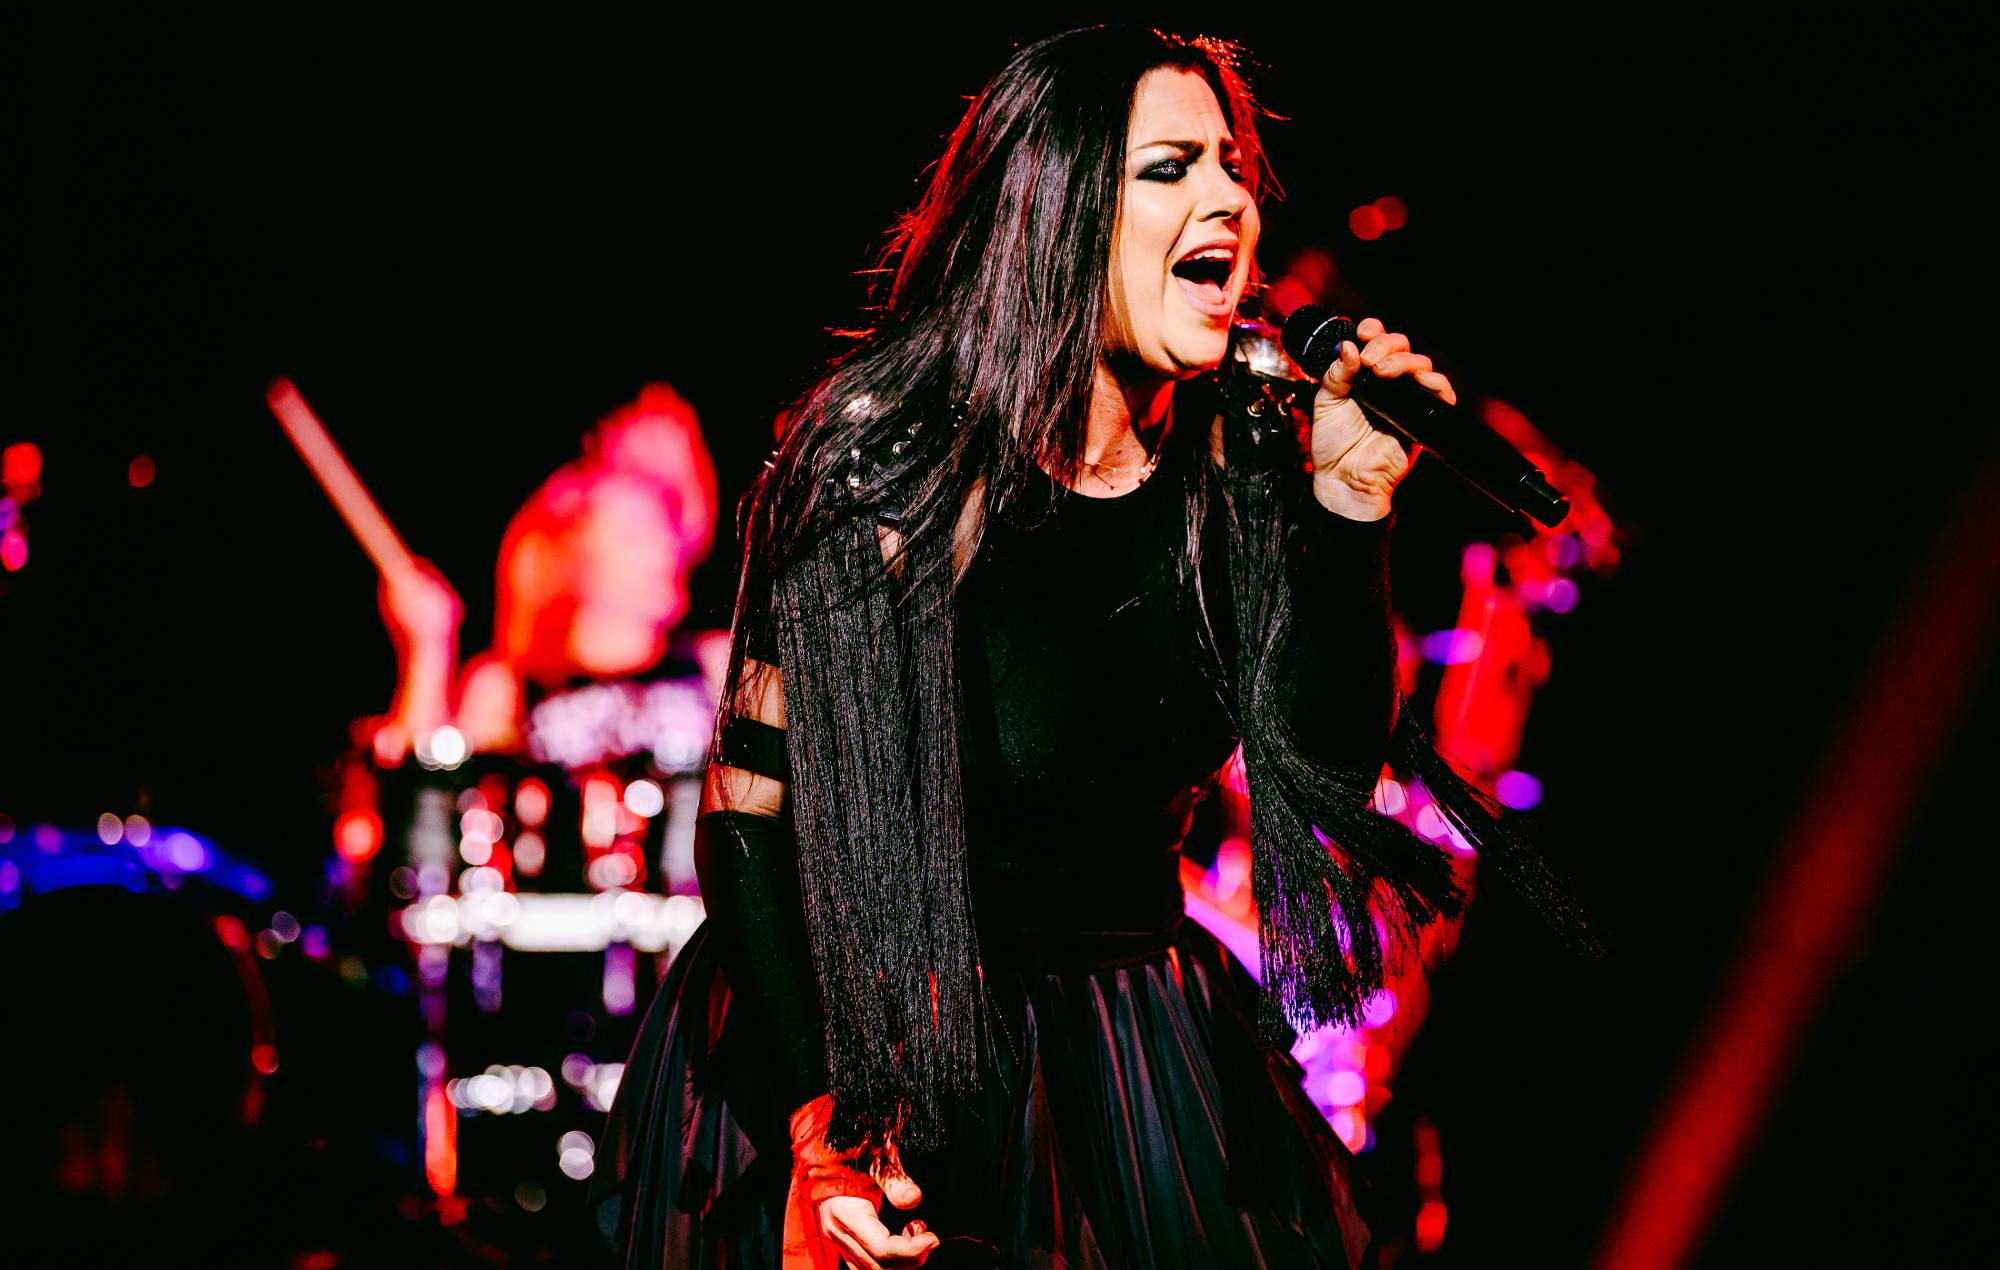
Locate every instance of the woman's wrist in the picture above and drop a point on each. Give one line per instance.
(824, 1171)
(1347, 502)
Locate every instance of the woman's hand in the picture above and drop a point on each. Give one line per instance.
(1355, 466)
(855, 1225)
(865, 1243)
(832, 1211)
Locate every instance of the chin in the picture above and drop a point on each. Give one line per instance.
(1198, 357)
(1199, 345)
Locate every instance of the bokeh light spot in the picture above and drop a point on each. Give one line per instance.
(1561, 596)
(644, 798)
(21, 463)
(1518, 790)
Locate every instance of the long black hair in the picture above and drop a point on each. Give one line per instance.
(986, 331)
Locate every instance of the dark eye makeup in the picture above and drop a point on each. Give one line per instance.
(1171, 170)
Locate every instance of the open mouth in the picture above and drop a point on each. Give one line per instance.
(1204, 279)
(1209, 270)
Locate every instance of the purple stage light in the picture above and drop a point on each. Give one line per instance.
(1518, 790)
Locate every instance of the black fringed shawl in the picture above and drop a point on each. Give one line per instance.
(871, 704)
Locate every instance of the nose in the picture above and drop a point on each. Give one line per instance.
(1223, 198)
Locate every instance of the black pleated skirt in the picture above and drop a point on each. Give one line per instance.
(1129, 1116)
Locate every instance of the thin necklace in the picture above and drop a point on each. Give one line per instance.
(1146, 468)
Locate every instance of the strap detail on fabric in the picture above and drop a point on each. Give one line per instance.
(755, 746)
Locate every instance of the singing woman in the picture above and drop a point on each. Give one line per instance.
(1020, 578)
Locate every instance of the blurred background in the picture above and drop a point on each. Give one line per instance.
(1696, 271)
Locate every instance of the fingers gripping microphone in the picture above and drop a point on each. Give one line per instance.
(1313, 336)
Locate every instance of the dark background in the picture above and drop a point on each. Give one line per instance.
(1706, 262)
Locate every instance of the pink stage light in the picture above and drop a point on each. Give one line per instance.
(530, 853)
(1345, 1088)
(531, 802)
(1453, 647)
(1380, 1008)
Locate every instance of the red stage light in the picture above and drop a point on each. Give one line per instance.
(264, 1057)
(1430, 1226)
(1430, 1169)
(140, 472)
(357, 835)
(1366, 222)
(21, 463)
(1395, 212)
(13, 550)
(440, 1141)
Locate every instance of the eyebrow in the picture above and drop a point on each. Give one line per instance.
(1190, 149)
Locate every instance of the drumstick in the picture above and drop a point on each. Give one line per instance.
(337, 477)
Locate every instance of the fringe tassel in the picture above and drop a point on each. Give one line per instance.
(871, 733)
(1342, 892)
(1339, 889)
(1496, 832)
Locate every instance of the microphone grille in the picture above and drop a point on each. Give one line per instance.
(1313, 335)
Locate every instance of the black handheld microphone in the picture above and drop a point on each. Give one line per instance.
(1313, 335)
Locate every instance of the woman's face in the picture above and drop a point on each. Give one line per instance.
(1186, 233)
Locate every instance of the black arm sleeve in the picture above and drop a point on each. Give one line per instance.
(748, 867)
(1340, 667)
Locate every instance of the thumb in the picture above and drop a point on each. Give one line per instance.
(1340, 374)
(897, 1186)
